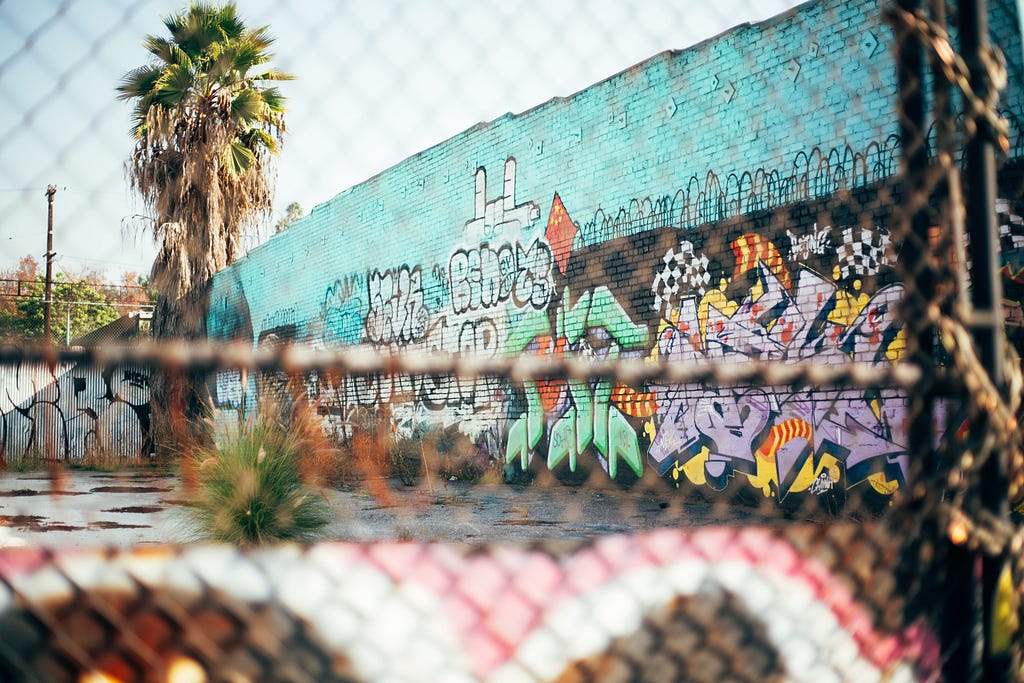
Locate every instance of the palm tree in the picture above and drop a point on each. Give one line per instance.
(292, 213)
(206, 126)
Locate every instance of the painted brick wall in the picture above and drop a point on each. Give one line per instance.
(729, 201)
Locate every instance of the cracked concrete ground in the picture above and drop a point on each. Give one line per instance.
(85, 508)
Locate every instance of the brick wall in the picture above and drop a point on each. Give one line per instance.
(729, 201)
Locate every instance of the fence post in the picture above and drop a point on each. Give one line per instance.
(986, 297)
(960, 629)
(920, 291)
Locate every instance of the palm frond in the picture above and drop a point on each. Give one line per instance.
(260, 37)
(139, 82)
(173, 85)
(245, 55)
(274, 100)
(140, 117)
(159, 47)
(240, 158)
(174, 23)
(218, 61)
(246, 106)
(255, 138)
(180, 57)
(272, 75)
(227, 21)
(200, 26)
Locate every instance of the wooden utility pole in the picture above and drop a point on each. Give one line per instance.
(48, 300)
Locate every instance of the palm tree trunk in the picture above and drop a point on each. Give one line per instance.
(181, 400)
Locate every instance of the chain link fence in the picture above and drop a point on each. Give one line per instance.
(706, 369)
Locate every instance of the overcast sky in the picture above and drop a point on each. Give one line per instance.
(378, 80)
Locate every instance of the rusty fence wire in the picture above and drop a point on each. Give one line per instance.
(706, 369)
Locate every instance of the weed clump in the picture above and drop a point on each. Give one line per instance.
(251, 490)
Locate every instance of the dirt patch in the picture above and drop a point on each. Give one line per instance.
(117, 525)
(138, 509)
(129, 489)
(35, 523)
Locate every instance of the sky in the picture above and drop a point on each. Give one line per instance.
(376, 81)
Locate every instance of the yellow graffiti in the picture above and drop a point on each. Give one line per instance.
(718, 299)
(898, 345)
(1005, 623)
(650, 430)
(693, 469)
(849, 303)
(766, 476)
(880, 483)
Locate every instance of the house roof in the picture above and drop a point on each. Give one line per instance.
(125, 328)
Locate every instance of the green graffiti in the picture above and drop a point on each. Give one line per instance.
(591, 419)
(527, 430)
(608, 313)
(530, 326)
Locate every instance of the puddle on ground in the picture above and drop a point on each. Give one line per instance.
(121, 476)
(129, 489)
(17, 493)
(525, 522)
(139, 509)
(177, 502)
(35, 523)
(117, 525)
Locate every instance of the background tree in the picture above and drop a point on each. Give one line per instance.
(292, 213)
(14, 282)
(86, 297)
(135, 289)
(206, 125)
(76, 302)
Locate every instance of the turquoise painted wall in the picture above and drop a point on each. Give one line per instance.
(754, 165)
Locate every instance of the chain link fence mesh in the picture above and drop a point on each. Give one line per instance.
(742, 405)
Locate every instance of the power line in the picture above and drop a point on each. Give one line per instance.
(61, 302)
(97, 260)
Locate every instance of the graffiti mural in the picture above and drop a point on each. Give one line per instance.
(802, 289)
(73, 411)
(501, 216)
(812, 279)
(781, 442)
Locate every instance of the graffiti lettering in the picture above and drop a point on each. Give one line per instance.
(588, 416)
(397, 314)
(342, 313)
(484, 277)
(816, 242)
